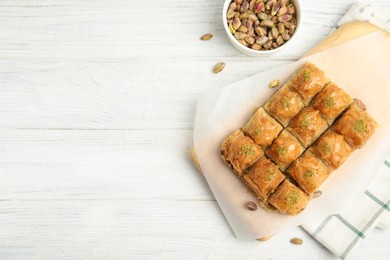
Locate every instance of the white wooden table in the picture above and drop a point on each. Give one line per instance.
(97, 102)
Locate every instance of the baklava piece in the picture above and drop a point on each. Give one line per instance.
(284, 105)
(307, 126)
(309, 172)
(240, 152)
(331, 101)
(356, 125)
(262, 128)
(263, 178)
(332, 149)
(284, 150)
(289, 199)
(308, 81)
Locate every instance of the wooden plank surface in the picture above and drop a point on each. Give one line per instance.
(97, 102)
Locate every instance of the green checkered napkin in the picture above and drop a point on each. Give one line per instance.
(341, 233)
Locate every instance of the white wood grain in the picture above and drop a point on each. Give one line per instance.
(97, 102)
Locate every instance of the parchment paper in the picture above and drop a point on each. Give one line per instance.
(361, 67)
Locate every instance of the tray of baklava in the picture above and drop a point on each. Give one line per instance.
(297, 139)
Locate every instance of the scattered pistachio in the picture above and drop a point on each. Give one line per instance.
(274, 83)
(219, 67)
(296, 241)
(206, 37)
(251, 205)
(316, 194)
(360, 104)
(262, 24)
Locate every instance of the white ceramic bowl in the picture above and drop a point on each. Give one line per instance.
(261, 53)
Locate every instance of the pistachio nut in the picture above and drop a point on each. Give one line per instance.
(236, 23)
(244, 7)
(256, 47)
(282, 11)
(230, 13)
(258, 7)
(261, 40)
(267, 45)
(250, 40)
(249, 23)
(269, 4)
(267, 24)
(233, 6)
(231, 29)
(284, 18)
(290, 9)
(242, 29)
(219, 67)
(243, 42)
(285, 36)
(240, 35)
(281, 28)
(279, 40)
(274, 83)
(275, 9)
(260, 31)
(262, 16)
(253, 17)
(274, 32)
(206, 37)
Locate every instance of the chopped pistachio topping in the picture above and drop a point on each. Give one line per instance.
(282, 150)
(292, 197)
(286, 103)
(258, 130)
(329, 102)
(309, 173)
(271, 174)
(327, 148)
(304, 122)
(307, 75)
(248, 149)
(360, 126)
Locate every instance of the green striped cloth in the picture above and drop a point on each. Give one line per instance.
(341, 233)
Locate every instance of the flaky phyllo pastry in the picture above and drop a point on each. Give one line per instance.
(292, 144)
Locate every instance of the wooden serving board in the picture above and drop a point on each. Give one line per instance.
(343, 34)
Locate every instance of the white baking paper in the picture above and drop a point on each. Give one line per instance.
(361, 67)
